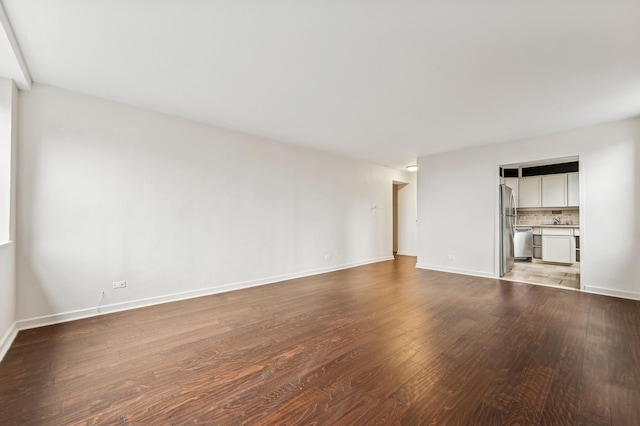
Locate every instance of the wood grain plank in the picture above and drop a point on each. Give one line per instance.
(529, 401)
(594, 395)
(561, 406)
(624, 404)
(465, 394)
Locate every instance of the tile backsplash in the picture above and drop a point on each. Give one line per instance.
(545, 217)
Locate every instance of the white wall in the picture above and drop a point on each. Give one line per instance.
(407, 215)
(8, 105)
(458, 202)
(107, 192)
(6, 118)
(7, 296)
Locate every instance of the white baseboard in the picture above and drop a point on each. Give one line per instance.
(140, 303)
(455, 270)
(7, 340)
(405, 253)
(519, 281)
(610, 292)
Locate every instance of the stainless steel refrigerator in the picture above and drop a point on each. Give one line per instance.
(507, 228)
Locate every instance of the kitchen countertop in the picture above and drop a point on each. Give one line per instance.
(574, 226)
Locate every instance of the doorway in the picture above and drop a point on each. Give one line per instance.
(403, 213)
(395, 218)
(548, 210)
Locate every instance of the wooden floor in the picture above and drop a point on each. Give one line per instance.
(378, 344)
(538, 272)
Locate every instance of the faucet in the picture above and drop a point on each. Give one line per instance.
(557, 221)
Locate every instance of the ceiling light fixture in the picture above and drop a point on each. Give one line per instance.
(412, 168)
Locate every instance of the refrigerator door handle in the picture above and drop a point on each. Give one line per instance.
(515, 210)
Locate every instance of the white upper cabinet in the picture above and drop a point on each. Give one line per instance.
(554, 190)
(529, 192)
(513, 184)
(573, 190)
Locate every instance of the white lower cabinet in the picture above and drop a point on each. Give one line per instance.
(558, 245)
(537, 243)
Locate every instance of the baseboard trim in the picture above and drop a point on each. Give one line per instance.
(587, 289)
(406, 253)
(559, 287)
(7, 340)
(613, 293)
(174, 297)
(455, 270)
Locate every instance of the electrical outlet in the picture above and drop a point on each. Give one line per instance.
(327, 257)
(119, 284)
(451, 257)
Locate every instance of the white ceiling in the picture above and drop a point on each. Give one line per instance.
(385, 81)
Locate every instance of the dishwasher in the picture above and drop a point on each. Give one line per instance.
(523, 243)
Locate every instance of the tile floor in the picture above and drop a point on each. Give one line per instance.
(537, 272)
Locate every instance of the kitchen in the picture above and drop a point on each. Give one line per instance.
(540, 222)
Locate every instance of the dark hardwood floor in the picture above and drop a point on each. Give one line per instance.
(378, 344)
